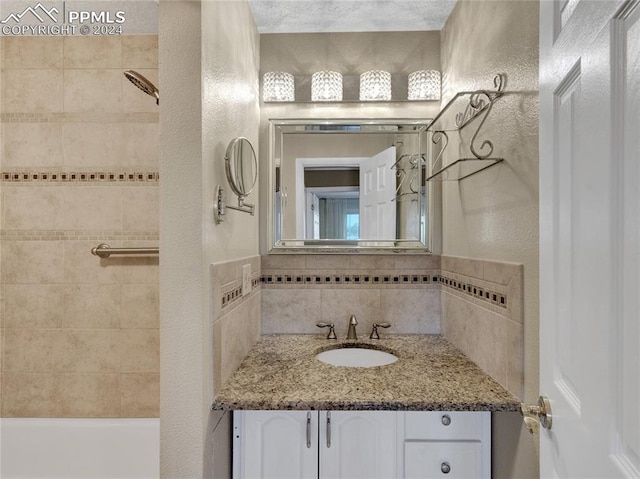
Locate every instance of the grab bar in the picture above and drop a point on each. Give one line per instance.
(104, 251)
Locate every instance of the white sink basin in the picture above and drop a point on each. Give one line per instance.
(356, 357)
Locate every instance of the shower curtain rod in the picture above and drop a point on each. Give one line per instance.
(104, 251)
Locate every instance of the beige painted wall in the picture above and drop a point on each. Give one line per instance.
(494, 215)
(302, 54)
(210, 53)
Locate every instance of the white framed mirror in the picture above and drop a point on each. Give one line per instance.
(339, 185)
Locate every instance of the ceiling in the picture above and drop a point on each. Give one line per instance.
(309, 16)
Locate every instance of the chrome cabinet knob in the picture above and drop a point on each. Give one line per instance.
(445, 468)
(446, 420)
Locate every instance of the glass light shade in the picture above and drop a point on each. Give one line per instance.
(326, 86)
(278, 86)
(375, 85)
(424, 85)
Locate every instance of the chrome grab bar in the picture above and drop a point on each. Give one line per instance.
(104, 251)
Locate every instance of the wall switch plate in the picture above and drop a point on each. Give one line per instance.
(246, 279)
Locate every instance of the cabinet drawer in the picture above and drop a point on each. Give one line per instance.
(436, 459)
(441, 425)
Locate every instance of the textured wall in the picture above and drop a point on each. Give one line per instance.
(79, 160)
(494, 214)
(209, 72)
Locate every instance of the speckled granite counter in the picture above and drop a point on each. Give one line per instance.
(281, 372)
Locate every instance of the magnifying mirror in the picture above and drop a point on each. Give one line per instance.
(241, 167)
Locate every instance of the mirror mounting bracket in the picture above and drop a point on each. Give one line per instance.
(220, 206)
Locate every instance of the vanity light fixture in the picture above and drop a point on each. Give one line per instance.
(278, 86)
(375, 85)
(326, 86)
(424, 85)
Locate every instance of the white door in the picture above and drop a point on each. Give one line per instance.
(590, 237)
(275, 445)
(377, 194)
(358, 444)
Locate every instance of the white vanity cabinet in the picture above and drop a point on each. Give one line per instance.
(361, 444)
(312, 444)
(446, 445)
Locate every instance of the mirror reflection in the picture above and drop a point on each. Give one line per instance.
(340, 183)
(241, 166)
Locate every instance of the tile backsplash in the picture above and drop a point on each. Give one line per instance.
(475, 304)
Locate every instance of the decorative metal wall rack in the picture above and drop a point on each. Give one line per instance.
(478, 105)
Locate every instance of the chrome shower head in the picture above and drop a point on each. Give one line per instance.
(144, 84)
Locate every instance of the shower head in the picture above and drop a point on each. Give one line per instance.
(144, 84)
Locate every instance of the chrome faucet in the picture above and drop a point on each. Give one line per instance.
(351, 333)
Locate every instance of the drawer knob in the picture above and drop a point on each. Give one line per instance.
(446, 420)
(445, 468)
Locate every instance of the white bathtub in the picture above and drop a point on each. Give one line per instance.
(79, 448)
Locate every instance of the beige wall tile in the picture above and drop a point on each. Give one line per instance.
(141, 269)
(478, 333)
(93, 145)
(134, 99)
(31, 395)
(90, 395)
(97, 208)
(33, 262)
(139, 351)
(89, 351)
(139, 51)
(139, 395)
(414, 311)
(498, 272)
(515, 358)
(31, 351)
(417, 262)
(32, 145)
(81, 267)
(31, 52)
(291, 311)
(240, 331)
(466, 266)
(140, 145)
(93, 91)
(284, 261)
(141, 211)
(217, 356)
(92, 306)
(32, 306)
(140, 306)
(32, 208)
(339, 304)
(32, 91)
(92, 52)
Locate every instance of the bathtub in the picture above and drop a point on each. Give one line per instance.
(79, 448)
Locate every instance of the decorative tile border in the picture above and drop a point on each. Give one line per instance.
(234, 295)
(317, 278)
(79, 176)
(81, 117)
(104, 236)
(468, 285)
(474, 290)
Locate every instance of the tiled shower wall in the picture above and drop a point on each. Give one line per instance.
(79, 162)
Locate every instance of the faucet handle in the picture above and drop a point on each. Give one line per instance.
(332, 332)
(374, 331)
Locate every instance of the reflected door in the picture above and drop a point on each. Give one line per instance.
(377, 196)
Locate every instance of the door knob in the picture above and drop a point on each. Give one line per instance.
(531, 414)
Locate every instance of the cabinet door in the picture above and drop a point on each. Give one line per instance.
(358, 444)
(440, 459)
(275, 445)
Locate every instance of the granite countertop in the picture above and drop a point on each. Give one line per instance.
(281, 372)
